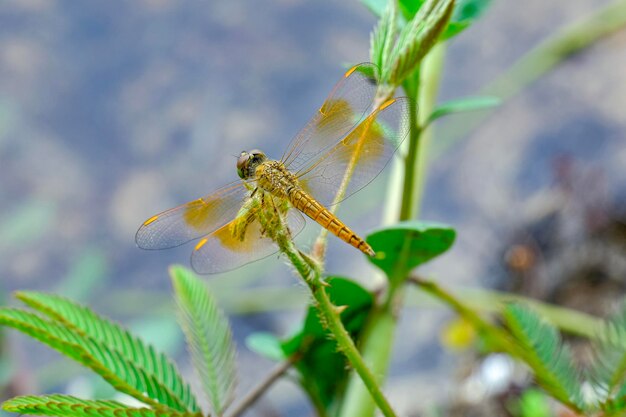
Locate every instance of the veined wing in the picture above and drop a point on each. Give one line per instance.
(192, 220)
(362, 154)
(348, 103)
(221, 251)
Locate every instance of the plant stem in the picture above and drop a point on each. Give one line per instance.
(253, 395)
(430, 78)
(500, 339)
(346, 345)
(330, 317)
(407, 205)
(378, 336)
(536, 63)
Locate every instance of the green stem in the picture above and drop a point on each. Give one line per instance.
(407, 206)
(500, 339)
(536, 63)
(378, 336)
(330, 316)
(347, 347)
(430, 78)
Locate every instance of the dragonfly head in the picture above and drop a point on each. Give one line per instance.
(247, 163)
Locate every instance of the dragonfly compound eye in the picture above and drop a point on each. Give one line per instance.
(242, 164)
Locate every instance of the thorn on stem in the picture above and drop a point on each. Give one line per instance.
(340, 309)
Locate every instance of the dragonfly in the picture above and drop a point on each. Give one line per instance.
(344, 146)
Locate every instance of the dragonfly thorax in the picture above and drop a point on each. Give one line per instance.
(248, 162)
(273, 177)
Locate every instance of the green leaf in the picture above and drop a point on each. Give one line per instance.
(409, 7)
(609, 370)
(404, 246)
(418, 37)
(208, 337)
(133, 350)
(68, 406)
(544, 353)
(124, 375)
(453, 29)
(322, 368)
(266, 345)
(462, 105)
(534, 403)
(382, 40)
(465, 13)
(469, 10)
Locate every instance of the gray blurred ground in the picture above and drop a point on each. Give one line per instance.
(112, 111)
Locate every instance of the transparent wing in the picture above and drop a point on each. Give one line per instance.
(363, 154)
(192, 220)
(348, 103)
(221, 252)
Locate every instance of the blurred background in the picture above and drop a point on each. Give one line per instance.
(111, 112)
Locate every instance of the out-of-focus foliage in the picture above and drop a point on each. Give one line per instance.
(125, 361)
(208, 337)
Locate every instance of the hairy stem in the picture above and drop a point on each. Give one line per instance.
(330, 317)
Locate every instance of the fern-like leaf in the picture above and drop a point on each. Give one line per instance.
(68, 406)
(84, 321)
(382, 39)
(124, 375)
(609, 370)
(418, 37)
(208, 337)
(544, 353)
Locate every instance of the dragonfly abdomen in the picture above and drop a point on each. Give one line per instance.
(317, 212)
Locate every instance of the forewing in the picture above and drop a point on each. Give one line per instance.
(192, 220)
(221, 252)
(348, 103)
(361, 155)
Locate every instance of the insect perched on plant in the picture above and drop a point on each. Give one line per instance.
(343, 147)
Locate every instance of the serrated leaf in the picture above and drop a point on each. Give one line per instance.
(123, 375)
(266, 345)
(84, 321)
(545, 354)
(463, 105)
(404, 246)
(69, 406)
(418, 37)
(208, 337)
(322, 368)
(382, 40)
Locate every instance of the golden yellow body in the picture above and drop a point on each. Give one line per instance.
(342, 148)
(274, 178)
